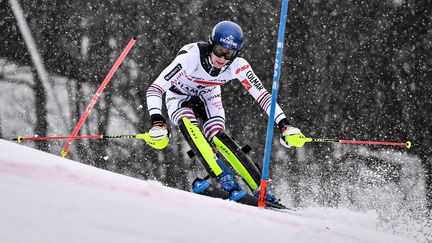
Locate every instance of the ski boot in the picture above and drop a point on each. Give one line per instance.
(226, 179)
(227, 183)
(270, 197)
(200, 185)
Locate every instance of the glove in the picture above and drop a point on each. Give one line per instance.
(292, 136)
(158, 135)
(158, 132)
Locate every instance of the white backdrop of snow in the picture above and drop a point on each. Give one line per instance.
(46, 198)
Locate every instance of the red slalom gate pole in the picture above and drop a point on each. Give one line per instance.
(96, 96)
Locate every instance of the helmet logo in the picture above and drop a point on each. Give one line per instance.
(229, 41)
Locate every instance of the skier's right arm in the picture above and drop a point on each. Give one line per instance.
(158, 134)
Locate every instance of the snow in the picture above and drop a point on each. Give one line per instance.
(45, 198)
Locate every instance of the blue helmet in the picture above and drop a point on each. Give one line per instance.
(227, 34)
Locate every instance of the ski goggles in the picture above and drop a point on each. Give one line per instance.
(221, 51)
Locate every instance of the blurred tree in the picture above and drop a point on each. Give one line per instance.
(40, 76)
(41, 124)
(12, 42)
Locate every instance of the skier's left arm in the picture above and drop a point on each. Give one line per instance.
(290, 136)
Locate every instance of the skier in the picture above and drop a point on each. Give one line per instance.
(193, 93)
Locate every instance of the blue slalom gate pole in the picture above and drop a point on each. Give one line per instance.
(275, 87)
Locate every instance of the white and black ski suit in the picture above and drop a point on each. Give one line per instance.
(191, 78)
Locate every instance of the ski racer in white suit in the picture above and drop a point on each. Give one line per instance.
(192, 85)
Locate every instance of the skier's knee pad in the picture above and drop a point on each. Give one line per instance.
(200, 146)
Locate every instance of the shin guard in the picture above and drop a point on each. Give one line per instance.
(234, 154)
(200, 147)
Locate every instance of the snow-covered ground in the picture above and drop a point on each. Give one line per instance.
(45, 198)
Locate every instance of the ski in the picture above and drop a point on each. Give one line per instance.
(205, 188)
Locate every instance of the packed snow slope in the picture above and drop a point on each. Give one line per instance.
(45, 198)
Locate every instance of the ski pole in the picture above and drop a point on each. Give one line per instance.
(96, 96)
(157, 144)
(406, 144)
(21, 139)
